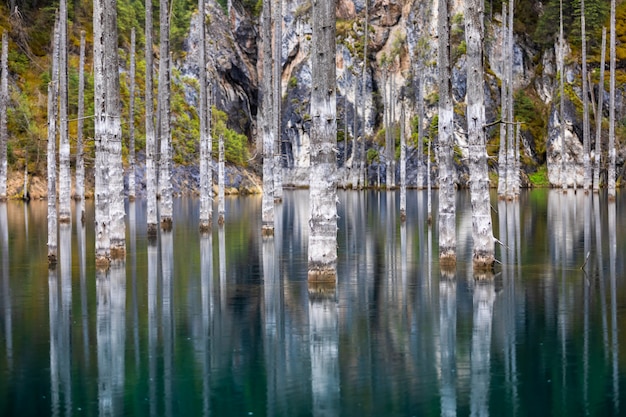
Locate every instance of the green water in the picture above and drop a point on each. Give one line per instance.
(226, 325)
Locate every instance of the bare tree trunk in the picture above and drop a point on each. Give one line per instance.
(561, 64)
(510, 131)
(482, 233)
(114, 131)
(165, 160)
(277, 97)
(64, 140)
(51, 160)
(80, 148)
(151, 178)
(611, 169)
(101, 167)
(4, 99)
(447, 209)
(420, 128)
(598, 150)
(502, 162)
(323, 179)
(586, 159)
(402, 165)
(266, 123)
(387, 122)
(221, 210)
(205, 162)
(131, 121)
(362, 174)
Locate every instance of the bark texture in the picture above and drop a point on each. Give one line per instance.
(131, 120)
(502, 179)
(165, 160)
(561, 64)
(101, 167)
(64, 140)
(80, 157)
(323, 179)
(51, 159)
(267, 208)
(362, 160)
(447, 209)
(482, 232)
(151, 180)
(205, 161)
(221, 209)
(598, 150)
(4, 98)
(611, 168)
(402, 165)
(586, 134)
(277, 77)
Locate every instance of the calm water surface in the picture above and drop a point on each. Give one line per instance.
(226, 324)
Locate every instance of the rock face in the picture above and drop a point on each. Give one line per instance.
(402, 41)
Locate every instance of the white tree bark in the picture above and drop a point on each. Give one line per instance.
(402, 165)
(510, 131)
(151, 179)
(323, 180)
(101, 167)
(131, 120)
(561, 65)
(64, 140)
(447, 209)
(4, 99)
(586, 159)
(611, 169)
(482, 233)
(165, 160)
(598, 149)
(267, 213)
(51, 159)
(362, 158)
(205, 162)
(117, 212)
(221, 210)
(420, 128)
(277, 97)
(80, 148)
(502, 172)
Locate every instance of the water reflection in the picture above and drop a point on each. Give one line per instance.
(167, 265)
(447, 343)
(614, 331)
(324, 350)
(205, 337)
(6, 285)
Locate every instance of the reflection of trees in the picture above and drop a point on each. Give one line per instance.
(205, 337)
(483, 299)
(447, 343)
(6, 285)
(111, 337)
(153, 264)
(324, 349)
(167, 265)
(614, 333)
(82, 267)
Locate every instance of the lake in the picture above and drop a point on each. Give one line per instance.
(227, 325)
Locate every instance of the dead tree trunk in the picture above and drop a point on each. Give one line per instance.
(586, 159)
(206, 191)
(165, 160)
(64, 140)
(598, 149)
(266, 123)
(502, 171)
(277, 97)
(4, 99)
(510, 131)
(362, 175)
(80, 147)
(131, 121)
(482, 233)
(151, 178)
(51, 159)
(221, 209)
(402, 165)
(611, 169)
(447, 209)
(323, 178)
(561, 64)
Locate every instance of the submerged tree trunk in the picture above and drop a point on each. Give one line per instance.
(80, 151)
(511, 193)
(64, 140)
(131, 121)
(165, 160)
(447, 209)
(420, 129)
(402, 165)
(267, 214)
(502, 162)
(611, 169)
(362, 158)
(221, 210)
(598, 150)
(51, 160)
(276, 98)
(117, 212)
(323, 178)
(561, 63)
(151, 179)
(482, 233)
(4, 99)
(586, 134)
(205, 162)
(101, 167)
